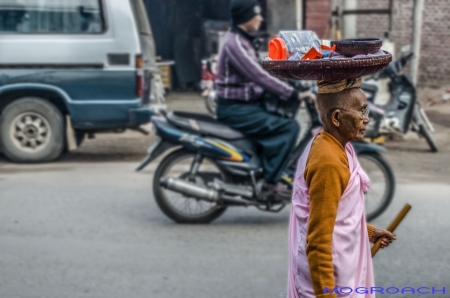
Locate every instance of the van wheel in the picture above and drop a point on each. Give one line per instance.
(31, 130)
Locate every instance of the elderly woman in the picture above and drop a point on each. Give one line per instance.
(329, 249)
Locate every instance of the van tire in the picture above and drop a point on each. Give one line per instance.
(31, 130)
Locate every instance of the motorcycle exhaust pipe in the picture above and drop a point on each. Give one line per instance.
(190, 189)
(193, 190)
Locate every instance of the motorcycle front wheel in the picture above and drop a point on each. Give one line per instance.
(382, 184)
(423, 127)
(177, 206)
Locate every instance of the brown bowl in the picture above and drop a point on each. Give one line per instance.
(353, 47)
(327, 69)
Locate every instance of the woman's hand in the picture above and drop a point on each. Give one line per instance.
(387, 237)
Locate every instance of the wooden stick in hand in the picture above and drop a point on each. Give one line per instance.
(392, 227)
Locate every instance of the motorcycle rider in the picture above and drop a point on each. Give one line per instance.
(240, 82)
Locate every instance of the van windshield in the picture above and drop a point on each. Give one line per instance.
(141, 17)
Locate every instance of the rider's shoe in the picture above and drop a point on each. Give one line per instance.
(283, 192)
(276, 192)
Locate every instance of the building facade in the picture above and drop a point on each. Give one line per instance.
(434, 59)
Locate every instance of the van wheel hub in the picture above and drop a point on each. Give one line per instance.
(30, 131)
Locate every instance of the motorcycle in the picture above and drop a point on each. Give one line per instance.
(400, 110)
(212, 167)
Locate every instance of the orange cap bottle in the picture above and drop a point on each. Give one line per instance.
(277, 49)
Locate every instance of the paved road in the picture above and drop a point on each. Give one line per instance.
(93, 230)
(87, 226)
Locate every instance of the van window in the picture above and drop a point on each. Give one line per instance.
(141, 17)
(51, 16)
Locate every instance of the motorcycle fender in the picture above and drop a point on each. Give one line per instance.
(158, 147)
(365, 147)
(166, 131)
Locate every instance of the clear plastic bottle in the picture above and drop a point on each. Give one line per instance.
(298, 43)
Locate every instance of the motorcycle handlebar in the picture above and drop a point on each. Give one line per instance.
(313, 113)
(405, 59)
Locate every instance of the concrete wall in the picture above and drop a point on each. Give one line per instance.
(281, 15)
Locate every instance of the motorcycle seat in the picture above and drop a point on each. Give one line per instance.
(203, 124)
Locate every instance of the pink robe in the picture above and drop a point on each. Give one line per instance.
(352, 259)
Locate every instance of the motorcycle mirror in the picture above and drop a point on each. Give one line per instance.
(406, 48)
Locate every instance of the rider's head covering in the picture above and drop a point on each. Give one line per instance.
(243, 11)
(337, 86)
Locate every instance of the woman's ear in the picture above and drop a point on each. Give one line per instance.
(335, 116)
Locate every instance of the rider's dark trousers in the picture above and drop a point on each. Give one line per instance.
(276, 135)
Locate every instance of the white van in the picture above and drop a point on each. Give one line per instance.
(79, 66)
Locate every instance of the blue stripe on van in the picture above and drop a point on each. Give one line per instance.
(79, 84)
(94, 98)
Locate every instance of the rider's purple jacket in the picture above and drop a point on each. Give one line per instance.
(239, 74)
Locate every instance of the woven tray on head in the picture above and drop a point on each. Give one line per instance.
(326, 69)
(353, 47)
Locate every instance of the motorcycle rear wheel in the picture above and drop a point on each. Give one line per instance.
(178, 207)
(382, 181)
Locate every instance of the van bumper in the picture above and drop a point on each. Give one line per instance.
(140, 116)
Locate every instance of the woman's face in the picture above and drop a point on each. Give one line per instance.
(353, 121)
